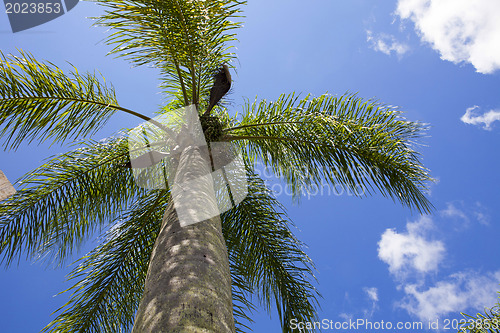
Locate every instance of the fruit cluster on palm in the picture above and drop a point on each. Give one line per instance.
(305, 141)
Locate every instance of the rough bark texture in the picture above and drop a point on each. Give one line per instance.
(6, 188)
(188, 285)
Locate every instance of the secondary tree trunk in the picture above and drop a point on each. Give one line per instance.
(188, 285)
(6, 188)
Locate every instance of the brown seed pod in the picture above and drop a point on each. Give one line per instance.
(222, 84)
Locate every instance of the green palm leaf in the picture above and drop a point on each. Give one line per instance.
(242, 304)
(486, 322)
(267, 257)
(343, 140)
(187, 40)
(38, 101)
(62, 202)
(111, 277)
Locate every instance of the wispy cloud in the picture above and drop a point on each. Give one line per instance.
(482, 218)
(481, 213)
(411, 251)
(460, 30)
(454, 212)
(458, 292)
(372, 294)
(346, 316)
(465, 213)
(472, 117)
(386, 44)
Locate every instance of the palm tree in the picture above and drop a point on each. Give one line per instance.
(150, 273)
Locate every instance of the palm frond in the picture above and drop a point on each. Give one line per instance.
(267, 257)
(111, 277)
(187, 40)
(487, 322)
(241, 292)
(39, 102)
(361, 145)
(65, 200)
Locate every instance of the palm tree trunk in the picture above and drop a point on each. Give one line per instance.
(188, 284)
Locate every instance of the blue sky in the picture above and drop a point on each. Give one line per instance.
(436, 60)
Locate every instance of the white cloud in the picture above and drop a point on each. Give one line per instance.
(452, 211)
(478, 211)
(482, 218)
(411, 256)
(346, 316)
(372, 293)
(461, 30)
(471, 117)
(386, 44)
(481, 215)
(411, 251)
(460, 292)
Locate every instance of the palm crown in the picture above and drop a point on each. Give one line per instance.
(341, 139)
